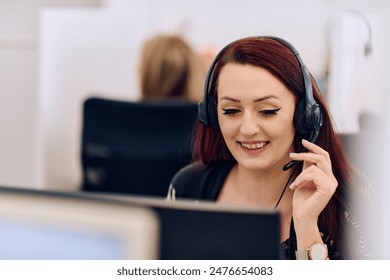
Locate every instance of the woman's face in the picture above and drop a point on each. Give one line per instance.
(255, 114)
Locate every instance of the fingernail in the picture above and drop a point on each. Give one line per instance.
(292, 186)
(293, 154)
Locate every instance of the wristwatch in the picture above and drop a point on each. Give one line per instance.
(317, 251)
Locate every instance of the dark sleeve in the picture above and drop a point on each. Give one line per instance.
(199, 181)
(187, 182)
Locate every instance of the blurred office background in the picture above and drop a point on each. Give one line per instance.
(56, 53)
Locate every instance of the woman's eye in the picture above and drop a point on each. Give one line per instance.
(269, 113)
(230, 112)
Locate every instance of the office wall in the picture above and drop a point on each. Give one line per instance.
(54, 53)
(19, 83)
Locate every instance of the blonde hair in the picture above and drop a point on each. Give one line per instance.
(169, 69)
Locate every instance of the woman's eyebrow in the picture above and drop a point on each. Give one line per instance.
(270, 96)
(230, 99)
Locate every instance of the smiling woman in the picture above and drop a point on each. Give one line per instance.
(257, 121)
(262, 109)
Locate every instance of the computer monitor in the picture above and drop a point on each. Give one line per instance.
(218, 233)
(193, 230)
(36, 225)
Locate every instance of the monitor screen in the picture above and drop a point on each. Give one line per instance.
(49, 225)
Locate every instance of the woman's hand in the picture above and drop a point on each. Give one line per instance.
(315, 186)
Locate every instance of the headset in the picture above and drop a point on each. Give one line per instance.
(308, 117)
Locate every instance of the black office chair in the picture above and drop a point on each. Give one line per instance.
(135, 147)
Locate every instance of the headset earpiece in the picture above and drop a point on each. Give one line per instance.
(207, 111)
(310, 127)
(300, 122)
(317, 120)
(213, 112)
(203, 112)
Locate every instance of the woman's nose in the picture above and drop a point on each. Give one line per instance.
(250, 125)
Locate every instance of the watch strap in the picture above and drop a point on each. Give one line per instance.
(302, 255)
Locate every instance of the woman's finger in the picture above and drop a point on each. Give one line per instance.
(315, 177)
(306, 176)
(318, 160)
(315, 149)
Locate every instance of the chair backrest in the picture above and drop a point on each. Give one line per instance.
(135, 147)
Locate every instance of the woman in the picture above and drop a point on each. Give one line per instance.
(250, 147)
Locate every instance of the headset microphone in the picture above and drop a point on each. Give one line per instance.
(312, 139)
(289, 165)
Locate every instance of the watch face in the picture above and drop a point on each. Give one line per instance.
(318, 252)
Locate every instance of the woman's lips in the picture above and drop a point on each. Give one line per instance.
(253, 146)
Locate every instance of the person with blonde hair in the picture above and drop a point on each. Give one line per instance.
(169, 70)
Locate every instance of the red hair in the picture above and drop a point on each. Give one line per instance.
(278, 59)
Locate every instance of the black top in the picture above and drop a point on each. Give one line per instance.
(199, 181)
(204, 182)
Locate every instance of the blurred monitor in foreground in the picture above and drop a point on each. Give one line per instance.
(44, 226)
